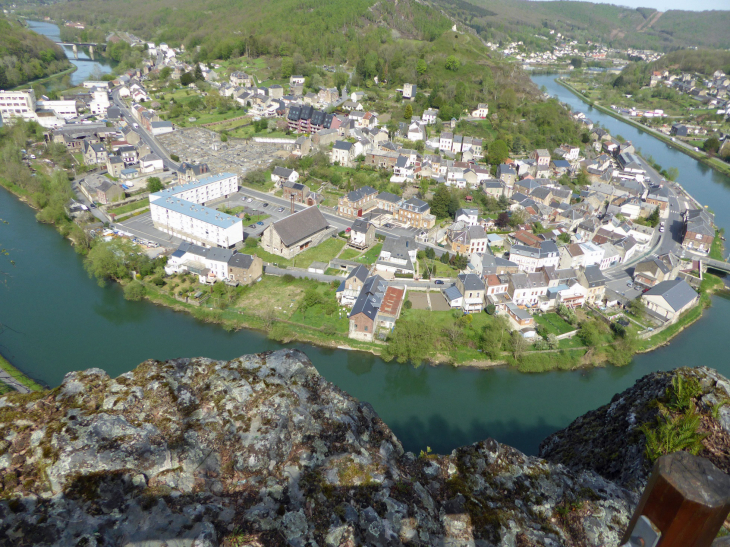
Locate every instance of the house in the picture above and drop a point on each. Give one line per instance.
(390, 307)
(453, 296)
(530, 259)
(496, 284)
(350, 288)
(429, 116)
(670, 298)
(364, 312)
(188, 172)
(522, 317)
(699, 232)
(388, 202)
(651, 271)
(446, 141)
(210, 264)
(416, 214)
(397, 255)
(241, 79)
(280, 174)
(161, 127)
(470, 217)
(114, 166)
(343, 153)
(495, 265)
(658, 197)
(296, 192)
(541, 157)
(472, 289)
(296, 80)
(592, 279)
(245, 269)
(94, 153)
(679, 130)
(526, 289)
(108, 192)
(357, 202)
(630, 163)
(481, 111)
(409, 91)
(470, 239)
(362, 234)
(151, 163)
(296, 233)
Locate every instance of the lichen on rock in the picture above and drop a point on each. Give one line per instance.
(262, 450)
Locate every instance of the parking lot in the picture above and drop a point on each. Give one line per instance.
(200, 145)
(253, 206)
(141, 226)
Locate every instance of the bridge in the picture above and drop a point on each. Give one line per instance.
(83, 44)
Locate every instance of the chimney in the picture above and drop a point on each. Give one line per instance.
(292, 203)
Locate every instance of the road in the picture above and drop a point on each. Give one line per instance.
(146, 137)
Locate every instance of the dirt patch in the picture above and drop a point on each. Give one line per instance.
(419, 300)
(438, 302)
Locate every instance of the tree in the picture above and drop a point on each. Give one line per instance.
(165, 73)
(653, 219)
(498, 152)
(503, 202)
(711, 145)
(440, 202)
(564, 238)
(311, 298)
(412, 340)
(154, 184)
(198, 73)
(287, 67)
(577, 62)
(502, 220)
(460, 261)
(445, 258)
(590, 333)
(112, 260)
(430, 253)
(673, 173)
(187, 78)
(134, 291)
(452, 63)
(552, 341)
(637, 307)
(408, 112)
(519, 344)
(421, 67)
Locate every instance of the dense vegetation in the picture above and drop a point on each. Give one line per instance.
(26, 56)
(618, 26)
(47, 191)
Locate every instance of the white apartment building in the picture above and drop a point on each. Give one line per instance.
(204, 190)
(592, 253)
(531, 259)
(179, 211)
(62, 109)
(18, 104)
(195, 223)
(93, 83)
(99, 102)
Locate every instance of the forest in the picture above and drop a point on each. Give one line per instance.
(26, 56)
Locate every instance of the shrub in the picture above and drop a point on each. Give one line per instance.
(288, 278)
(251, 242)
(408, 304)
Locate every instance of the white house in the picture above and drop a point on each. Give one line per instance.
(446, 141)
(62, 109)
(482, 111)
(151, 163)
(531, 259)
(209, 263)
(282, 174)
(470, 217)
(99, 102)
(592, 253)
(416, 132)
(429, 116)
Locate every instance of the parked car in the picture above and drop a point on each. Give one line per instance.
(260, 223)
(249, 200)
(348, 230)
(629, 284)
(280, 209)
(252, 226)
(439, 282)
(266, 204)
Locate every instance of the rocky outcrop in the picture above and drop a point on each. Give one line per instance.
(262, 450)
(609, 440)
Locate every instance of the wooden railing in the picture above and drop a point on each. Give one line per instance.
(684, 504)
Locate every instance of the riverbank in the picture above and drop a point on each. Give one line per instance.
(716, 164)
(14, 379)
(61, 74)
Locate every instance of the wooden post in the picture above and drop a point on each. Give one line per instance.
(687, 498)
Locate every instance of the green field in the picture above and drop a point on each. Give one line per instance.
(553, 323)
(371, 255)
(324, 252)
(349, 254)
(129, 207)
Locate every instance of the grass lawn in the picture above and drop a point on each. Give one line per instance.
(371, 255)
(324, 252)
(553, 323)
(717, 248)
(131, 206)
(349, 254)
(442, 270)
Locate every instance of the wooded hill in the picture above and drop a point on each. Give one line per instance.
(26, 56)
(616, 26)
(700, 61)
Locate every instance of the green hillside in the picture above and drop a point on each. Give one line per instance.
(26, 56)
(701, 61)
(614, 25)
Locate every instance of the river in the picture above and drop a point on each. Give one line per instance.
(57, 320)
(85, 67)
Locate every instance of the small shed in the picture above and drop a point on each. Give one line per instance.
(317, 267)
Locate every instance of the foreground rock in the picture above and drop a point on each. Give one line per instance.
(609, 440)
(262, 450)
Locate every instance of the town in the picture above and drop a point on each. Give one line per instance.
(544, 239)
